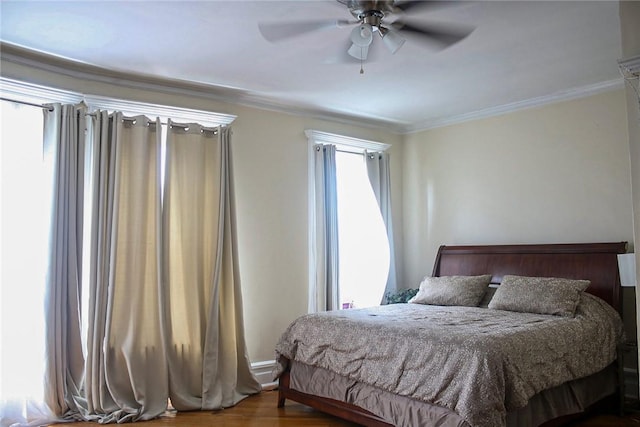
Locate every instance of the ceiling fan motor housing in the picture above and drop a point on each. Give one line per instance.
(373, 18)
(359, 8)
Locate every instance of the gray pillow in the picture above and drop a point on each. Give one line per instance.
(542, 295)
(452, 290)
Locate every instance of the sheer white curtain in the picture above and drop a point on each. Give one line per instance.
(324, 287)
(208, 362)
(379, 176)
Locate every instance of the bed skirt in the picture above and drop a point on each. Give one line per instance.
(570, 398)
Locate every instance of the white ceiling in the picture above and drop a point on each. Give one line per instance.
(521, 52)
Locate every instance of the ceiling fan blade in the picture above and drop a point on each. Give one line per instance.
(413, 5)
(278, 31)
(440, 34)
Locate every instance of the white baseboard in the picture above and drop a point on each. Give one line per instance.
(263, 371)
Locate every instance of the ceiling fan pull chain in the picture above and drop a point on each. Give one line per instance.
(361, 60)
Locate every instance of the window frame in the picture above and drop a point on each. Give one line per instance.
(16, 90)
(342, 143)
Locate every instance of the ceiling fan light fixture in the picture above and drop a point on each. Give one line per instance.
(391, 39)
(362, 35)
(358, 52)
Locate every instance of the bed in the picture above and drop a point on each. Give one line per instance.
(376, 381)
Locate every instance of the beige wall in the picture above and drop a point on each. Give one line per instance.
(270, 169)
(558, 173)
(271, 177)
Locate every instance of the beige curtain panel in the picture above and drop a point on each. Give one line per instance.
(126, 377)
(208, 361)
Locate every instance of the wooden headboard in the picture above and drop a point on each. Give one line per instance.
(597, 262)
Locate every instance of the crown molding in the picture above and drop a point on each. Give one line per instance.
(223, 94)
(79, 70)
(540, 101)
(630, 67)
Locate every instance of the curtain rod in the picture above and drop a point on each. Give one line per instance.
(44, 107)
(131, 119)
(176, 125)
(370, 154)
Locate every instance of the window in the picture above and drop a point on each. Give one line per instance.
(362, 237)
(25, 185)
(362, 255)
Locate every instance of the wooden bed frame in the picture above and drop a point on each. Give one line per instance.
(596, 262)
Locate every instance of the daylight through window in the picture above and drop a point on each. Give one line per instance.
(363, 244)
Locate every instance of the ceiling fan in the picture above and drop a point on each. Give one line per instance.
(384, 17)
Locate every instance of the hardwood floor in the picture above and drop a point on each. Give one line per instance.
(260, 411)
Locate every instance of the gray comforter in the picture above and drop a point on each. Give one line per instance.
(477, 362)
